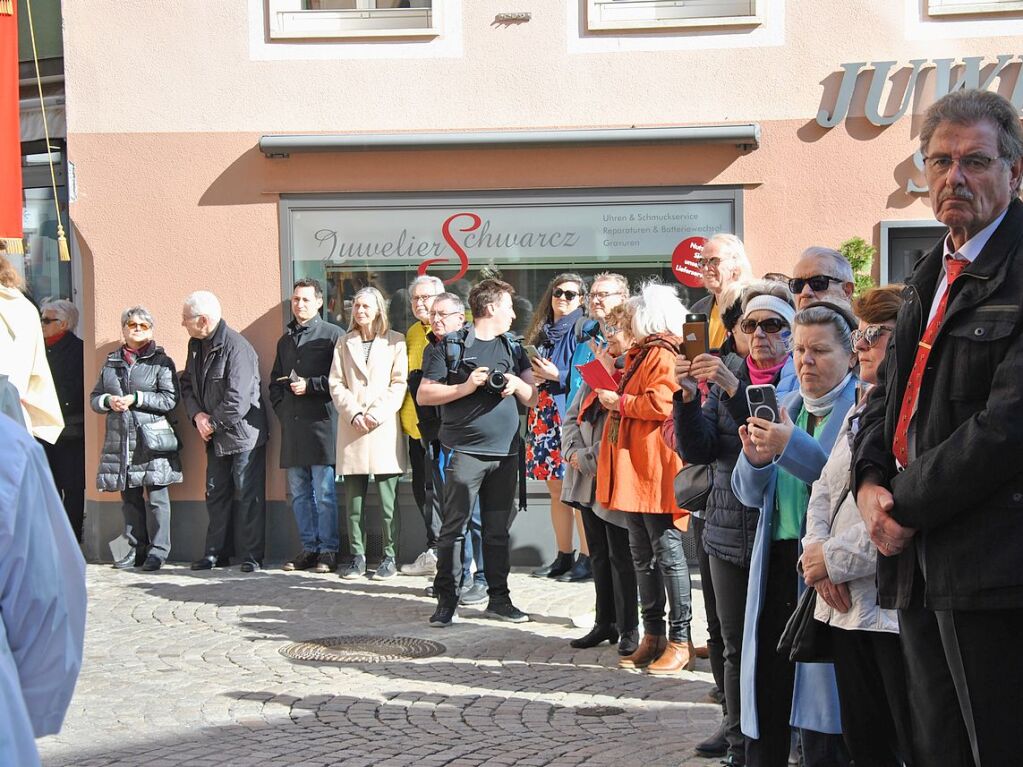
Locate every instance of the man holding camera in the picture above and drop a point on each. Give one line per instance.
(476, 376)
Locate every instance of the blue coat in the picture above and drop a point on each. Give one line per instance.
(814, 696)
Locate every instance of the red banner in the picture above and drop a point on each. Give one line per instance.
(10, 132)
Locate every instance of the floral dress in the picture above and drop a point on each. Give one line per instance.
(543, 439)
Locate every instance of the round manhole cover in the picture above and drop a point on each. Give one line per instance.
(600, 711)
(362, 649)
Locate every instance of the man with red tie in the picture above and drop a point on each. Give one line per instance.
(938, 467)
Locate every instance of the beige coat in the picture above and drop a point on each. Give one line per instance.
(375, 389)
(23, 359)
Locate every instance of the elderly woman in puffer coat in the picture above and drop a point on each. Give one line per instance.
(138, 386)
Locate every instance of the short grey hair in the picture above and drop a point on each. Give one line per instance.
(204, 303)
(138, 312)
(453, 298)
(971, 106)
(426, 279)
(733, 247)
(842, 267)
(656, 308)
(841, 321)
(620, 280)
(766, 288)
(66, 311)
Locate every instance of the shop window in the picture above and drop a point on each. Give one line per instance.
(316, 19)
(669, 14)
(961, 7)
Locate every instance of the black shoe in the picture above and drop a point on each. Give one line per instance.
(223, 561)
(581, 571)
(141, 555)
(597, 635)
(428, 591)
(715, 745)
(251, 566)
(303, 561)
(128, 560)
(206, 563)
(475, 594)
(326, 562)
(443, 617)
(561, 565)
(505, 611)
(628, 642)
(152, 562)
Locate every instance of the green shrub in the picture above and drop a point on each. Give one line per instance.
(860, 255)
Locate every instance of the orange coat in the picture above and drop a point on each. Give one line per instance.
(638, 473)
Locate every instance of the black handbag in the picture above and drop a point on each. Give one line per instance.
(159, 437)
(693, 485)
(806, 639)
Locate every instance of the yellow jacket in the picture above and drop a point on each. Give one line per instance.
(415, 341)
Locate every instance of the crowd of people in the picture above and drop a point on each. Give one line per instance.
(861, 458)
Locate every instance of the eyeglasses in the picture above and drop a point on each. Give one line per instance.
(443, 315)
(602, 295)
(49, 320)
(137, 325)
(570, 295)
(708, 263)
(970, 164)
(423, 299)
(770, 325)
(610, 330)
(818, 283)
(871, 334)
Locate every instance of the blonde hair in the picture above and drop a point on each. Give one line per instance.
(380, 323)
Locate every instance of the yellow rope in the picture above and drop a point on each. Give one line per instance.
(62, 248)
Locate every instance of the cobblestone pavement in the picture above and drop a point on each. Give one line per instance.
(185, 668)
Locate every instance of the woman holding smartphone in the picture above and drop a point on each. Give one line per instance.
(780, 458)
(555, 335)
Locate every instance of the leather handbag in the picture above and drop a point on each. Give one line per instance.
(693, 485)
(159, 437)
(806, 639)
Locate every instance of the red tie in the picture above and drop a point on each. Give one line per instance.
(900, 445)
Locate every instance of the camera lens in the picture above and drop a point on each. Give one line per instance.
(496, 382)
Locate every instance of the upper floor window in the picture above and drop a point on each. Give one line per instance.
(668, 14)
(952, 7)
(296, 19)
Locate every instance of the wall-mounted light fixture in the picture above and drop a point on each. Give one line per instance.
(518, 17)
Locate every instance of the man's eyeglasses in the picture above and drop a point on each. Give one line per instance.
(423, 299)
(603, 295)
(970, 164)
(818, 283)
(708, 263)
(49, 320)
(131, 325)
(570, 295)
(770, 325)
(442, 315)
(871, 334)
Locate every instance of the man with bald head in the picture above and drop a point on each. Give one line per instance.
(821, 274)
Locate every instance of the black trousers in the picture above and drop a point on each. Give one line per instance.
(873, 698)
(236, 503)
(775, 675)
(148, 531)
(662, 574)
(614, 577)
(494, 480)
(426, 486)
(965, 680)
(730, 600)
(67, 464)
(715, 645)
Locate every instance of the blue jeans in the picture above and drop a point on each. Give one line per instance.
(472, 549)
(314, 502)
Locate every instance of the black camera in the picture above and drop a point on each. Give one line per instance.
(495, 383)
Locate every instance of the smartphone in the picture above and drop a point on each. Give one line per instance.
(283, 379)
(695, 333)
(763, 402)
(531, 351)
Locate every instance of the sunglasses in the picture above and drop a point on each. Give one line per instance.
(770, 325)
(137, 325)
(570, 295)
(818, 283)
(871, 335)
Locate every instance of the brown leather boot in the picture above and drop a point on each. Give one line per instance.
(677, 656)
(650, 648)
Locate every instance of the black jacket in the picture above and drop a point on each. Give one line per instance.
(711, 435)
(964, 490)
(225, 385)
(67, 368)
(125, 461)
(308, 422)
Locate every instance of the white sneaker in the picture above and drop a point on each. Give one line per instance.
(425, 564)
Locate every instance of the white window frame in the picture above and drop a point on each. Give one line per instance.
(965, 7)
(286, 20)
(636, 14)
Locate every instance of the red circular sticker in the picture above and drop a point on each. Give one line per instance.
(684, 263)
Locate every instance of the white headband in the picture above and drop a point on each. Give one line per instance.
(774, 304)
